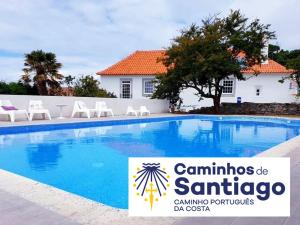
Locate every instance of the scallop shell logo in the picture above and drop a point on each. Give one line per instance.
(151, 182)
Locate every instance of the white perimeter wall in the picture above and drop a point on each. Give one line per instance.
(118, 105)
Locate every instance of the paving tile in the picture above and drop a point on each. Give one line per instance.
(259, 221)
(292, 221)
(18, 211)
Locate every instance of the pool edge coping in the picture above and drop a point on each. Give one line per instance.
(76, 208)
(91, 120)
(281, 149)
(46, 125)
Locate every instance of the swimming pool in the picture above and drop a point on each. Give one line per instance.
(90, 158)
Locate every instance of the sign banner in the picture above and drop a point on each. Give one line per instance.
(209, 187)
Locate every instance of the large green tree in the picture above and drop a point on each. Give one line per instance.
(203, 56)
(294, 64)
(42, 69)
(88, 86)
(290, 59)
(284, 57)
(168, 89)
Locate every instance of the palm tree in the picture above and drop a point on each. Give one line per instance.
(41, 68)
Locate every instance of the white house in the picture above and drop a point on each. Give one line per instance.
(132, 78)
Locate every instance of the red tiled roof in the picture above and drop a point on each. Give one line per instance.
(138, 63)
(145, 63)
(270, 67)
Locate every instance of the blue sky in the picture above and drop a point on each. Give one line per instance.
(88, 36)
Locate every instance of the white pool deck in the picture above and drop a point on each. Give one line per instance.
(27, 202)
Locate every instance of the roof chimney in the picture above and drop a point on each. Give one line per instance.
(265, 53)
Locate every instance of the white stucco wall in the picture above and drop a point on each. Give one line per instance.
(271, 89)
(119, 106)
(112, 84)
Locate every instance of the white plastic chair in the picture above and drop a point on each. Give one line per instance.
(36, 107)
(101, 107)
(80, 107)
(144, 110)
(11, 112)
(131, 111)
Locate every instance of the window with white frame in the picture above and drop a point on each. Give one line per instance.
(228, 86)
(148, 86)
(126, 89)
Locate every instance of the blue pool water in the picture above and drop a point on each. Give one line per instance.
(90, 159)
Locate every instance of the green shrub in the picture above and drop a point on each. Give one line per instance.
(88, 86)
(16, 88)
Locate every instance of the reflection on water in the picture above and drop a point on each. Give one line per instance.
(143, 125)
(78, 133)
(187, 138)
(102, 130)
(38, 137)
(92, 162)
(43, 156)
(6, 139)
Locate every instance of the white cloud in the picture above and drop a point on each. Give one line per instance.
(282, 15)
(88, 36)
(10, 68)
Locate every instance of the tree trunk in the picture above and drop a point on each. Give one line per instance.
(172, 109)
(217, 101)
(42, 88)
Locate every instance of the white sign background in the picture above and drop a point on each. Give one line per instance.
(275, 206)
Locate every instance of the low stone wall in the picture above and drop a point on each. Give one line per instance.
(254, 109)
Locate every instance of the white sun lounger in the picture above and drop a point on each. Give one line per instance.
(36, 107)
(7, 108)
(80, 107)
(130, 111)
(144, 111)
(101, 107)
